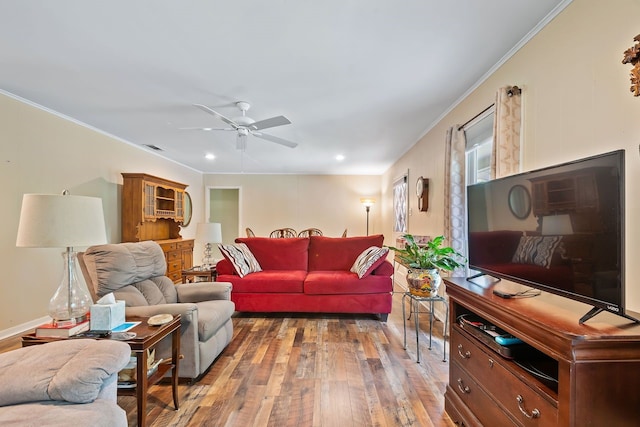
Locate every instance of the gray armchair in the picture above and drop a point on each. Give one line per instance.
(134, 272)
(63, 383)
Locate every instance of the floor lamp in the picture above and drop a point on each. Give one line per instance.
(367, 202)
(63, 221)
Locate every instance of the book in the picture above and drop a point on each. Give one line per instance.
(49, 330)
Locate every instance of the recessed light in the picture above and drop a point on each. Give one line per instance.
(340, 157)
(209, 156)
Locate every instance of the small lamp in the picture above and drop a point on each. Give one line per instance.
(208, 232)
(63, 221)
(556, 225)
(367, 202)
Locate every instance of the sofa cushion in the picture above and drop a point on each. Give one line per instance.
(70, 370)
(369, 260)
(267, 281)
(241, 257)
(338, 253)
(344, 282)
(279, 254)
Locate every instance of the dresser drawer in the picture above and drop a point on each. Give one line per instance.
(475, 398)
(528, 405)
(185, 245)
(175, 276)
(166, 247)
(174, 256)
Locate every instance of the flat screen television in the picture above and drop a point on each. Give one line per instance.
(559, 229)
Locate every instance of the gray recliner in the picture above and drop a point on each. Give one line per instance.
(134, 272)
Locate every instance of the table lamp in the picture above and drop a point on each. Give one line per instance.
(63, 221)
(208, 232)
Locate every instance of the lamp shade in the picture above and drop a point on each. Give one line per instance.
(209, 232)
(367, 201)
(556, 225)
(58, 221)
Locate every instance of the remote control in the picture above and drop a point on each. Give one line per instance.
(507, 340)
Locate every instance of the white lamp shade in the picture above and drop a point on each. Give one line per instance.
(556, 225)
(58, 221)
(209, 232)
(367, 201)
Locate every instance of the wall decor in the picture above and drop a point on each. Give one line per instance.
(422, 191)
(632, 56)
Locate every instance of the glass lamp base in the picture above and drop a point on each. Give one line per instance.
(71, 302)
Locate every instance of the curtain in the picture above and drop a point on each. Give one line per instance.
(455, 193)
(400, 202)
(505, 157)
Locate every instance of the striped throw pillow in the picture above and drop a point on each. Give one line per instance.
(241, 258)
(369, 260)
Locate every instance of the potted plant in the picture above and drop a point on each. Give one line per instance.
(424, 262)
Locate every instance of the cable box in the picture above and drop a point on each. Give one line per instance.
(486, 332)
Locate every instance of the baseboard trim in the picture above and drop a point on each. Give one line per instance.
(23, 327)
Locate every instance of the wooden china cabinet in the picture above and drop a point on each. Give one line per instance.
(153, 208)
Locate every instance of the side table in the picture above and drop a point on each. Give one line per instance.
(209, 274)
(414, 309)
(146, 338)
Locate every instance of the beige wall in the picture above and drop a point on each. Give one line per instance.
(328, 202)
(576, 103)
(43, 153)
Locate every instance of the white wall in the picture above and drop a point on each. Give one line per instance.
(576, 103)
(43, 153)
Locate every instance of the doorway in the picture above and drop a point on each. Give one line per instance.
(223, 206)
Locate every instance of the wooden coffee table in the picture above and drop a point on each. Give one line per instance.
(146, 338)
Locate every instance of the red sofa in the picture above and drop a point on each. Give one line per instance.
(310, 274)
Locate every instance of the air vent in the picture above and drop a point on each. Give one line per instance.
(153, 147)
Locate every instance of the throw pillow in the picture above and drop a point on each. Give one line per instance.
(536, 250)
(241, 258)
(369, 260)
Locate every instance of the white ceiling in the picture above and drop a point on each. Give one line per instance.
(361, 78)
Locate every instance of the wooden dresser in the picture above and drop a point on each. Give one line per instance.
(153, 208)
(596, 366)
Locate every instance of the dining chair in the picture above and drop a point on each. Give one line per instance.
(310, 232)
(250, 232)
(283, 232)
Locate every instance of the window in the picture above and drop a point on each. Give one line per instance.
(479, 135)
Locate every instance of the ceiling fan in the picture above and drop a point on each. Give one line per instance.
(245, 126)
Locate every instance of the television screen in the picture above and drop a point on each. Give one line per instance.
(559, 229)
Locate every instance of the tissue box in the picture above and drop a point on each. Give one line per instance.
(107, 316)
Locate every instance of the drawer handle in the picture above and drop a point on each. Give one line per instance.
(491, 362)
(463, 388)
(466, 354)
(534, 414)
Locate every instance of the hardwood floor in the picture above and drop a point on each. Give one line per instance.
(312, 370)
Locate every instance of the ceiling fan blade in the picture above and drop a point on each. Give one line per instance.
(218, 115)
(269, 123)
(275, 139)
(205, 129)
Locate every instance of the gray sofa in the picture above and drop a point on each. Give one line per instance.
(63, 383)
(134, 272)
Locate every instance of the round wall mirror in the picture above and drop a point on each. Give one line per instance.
(188, 209)
(519, 201)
